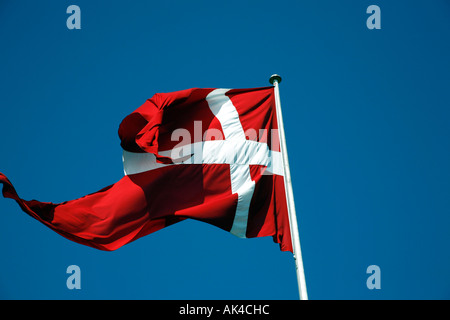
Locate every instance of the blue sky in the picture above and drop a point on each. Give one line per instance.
(366, 117)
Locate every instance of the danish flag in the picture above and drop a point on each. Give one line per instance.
(212, 155)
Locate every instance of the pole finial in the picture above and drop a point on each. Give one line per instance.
(274, 78)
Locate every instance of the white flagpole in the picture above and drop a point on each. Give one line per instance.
(275, 80)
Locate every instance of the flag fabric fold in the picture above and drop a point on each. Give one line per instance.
(206, 154)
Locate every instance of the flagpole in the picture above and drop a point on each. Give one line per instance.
(275, 80)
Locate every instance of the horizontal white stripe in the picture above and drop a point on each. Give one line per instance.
(134, 163)
(209, 152)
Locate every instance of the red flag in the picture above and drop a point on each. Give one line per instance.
(206, 154)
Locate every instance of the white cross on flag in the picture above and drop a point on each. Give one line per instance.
(211, 155)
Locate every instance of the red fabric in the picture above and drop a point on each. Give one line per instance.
(142, 203)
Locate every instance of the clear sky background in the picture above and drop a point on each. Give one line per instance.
(366, 117)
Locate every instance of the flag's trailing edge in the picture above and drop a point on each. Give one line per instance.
(211, 155)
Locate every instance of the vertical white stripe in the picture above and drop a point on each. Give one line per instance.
(244, 186)
(241, 181)
(224, 110)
